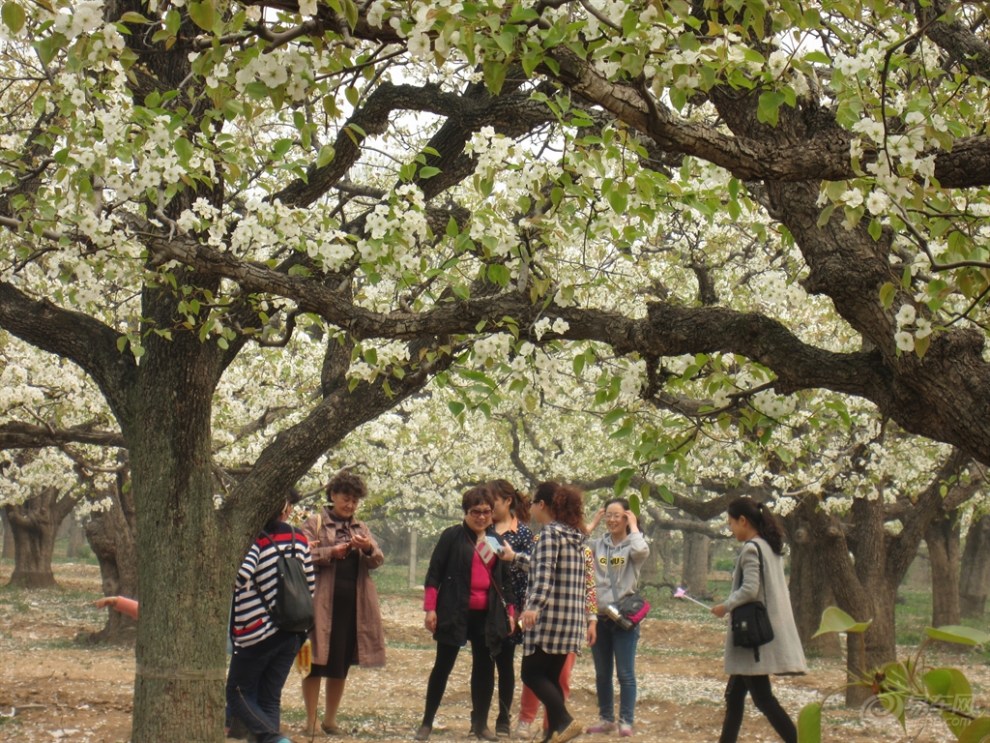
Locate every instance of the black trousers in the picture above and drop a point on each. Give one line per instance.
(759, 689)
(482, 674)
(505, 663)
(541, 673)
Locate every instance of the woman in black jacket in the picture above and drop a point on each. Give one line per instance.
(467, 597)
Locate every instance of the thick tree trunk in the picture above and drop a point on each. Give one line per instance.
(810, 596)
(34, 524)
(942, 538)
(112, 537)
(974, 572)
(694, 571)
(8, 538)
(855, 569)
(75, 538)
(187, 561)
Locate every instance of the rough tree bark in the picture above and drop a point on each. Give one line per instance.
(33, 525)
(112, 536)
(810, 595)
(694, 568)
(974, 575)
(942, 538)
(864, 564)
(7, 552)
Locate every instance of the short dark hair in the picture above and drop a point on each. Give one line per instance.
(476, 496)
(347, 483)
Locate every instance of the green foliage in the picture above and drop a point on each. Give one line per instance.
(899, 684)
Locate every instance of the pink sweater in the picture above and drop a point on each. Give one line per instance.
(481, 579)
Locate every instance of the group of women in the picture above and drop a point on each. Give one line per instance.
(491, 582)
(495, 584)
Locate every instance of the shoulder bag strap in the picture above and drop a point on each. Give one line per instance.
(254, 577)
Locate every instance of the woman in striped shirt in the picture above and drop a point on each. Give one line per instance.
(263, 653)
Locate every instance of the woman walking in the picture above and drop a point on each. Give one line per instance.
(466, 584)
(348, 622)
(511, 512)
(560, 612)
(753, 524)
(619, 555)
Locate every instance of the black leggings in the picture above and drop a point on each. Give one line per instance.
(506, 665)
(482, 674)
(759, 689)
(541, 673)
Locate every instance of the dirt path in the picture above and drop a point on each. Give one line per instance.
(55, 689)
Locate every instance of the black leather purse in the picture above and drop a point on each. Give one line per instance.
(751, 626)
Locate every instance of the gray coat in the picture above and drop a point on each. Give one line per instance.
(783, 654)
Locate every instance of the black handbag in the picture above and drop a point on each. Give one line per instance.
(751, 626)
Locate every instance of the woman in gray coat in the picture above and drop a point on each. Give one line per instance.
(753, 524)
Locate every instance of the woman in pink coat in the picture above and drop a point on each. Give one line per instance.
(348, 623)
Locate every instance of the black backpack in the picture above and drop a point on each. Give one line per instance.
(292, 609)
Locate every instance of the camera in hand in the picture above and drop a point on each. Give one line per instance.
(613, 613)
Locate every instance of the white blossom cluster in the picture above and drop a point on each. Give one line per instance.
(910, 326)
(395, 229)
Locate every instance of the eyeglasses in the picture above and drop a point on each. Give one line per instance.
(480, 512)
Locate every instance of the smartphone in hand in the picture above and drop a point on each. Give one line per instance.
(494, 544)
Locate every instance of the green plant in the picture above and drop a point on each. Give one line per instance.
(902, 685)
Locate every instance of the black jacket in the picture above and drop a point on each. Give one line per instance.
(450, 574)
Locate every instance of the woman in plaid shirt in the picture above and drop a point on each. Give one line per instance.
(561, 611)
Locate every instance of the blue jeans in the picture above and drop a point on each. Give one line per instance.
(618, 646)
(255, 680)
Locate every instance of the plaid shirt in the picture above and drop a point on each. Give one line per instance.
(561, 590)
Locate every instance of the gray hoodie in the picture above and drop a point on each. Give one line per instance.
(617, 566)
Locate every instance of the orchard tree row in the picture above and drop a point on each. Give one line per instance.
(750, 235)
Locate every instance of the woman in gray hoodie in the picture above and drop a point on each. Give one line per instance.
(619, 555)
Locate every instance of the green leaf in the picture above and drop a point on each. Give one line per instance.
(809, 723)
(887, 293)
(836, 620)
(768, 108)
(875, 229)
(13, 16)
(618, 201)
(428, 171)
(47, 48)
(351, 13)
(978, 731)
(203, 14)
(281, 147)
(455, 407)
(498, 274)
(183, 149)
(133, 17)
(958, 634)
(494, 73)
(325, 155)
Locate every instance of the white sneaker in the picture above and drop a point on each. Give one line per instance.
(523, 731)
(602, 726)
(625, 731)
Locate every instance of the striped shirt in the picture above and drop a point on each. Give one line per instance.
(251, 623)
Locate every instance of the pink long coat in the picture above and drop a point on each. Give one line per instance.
(370, 650)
